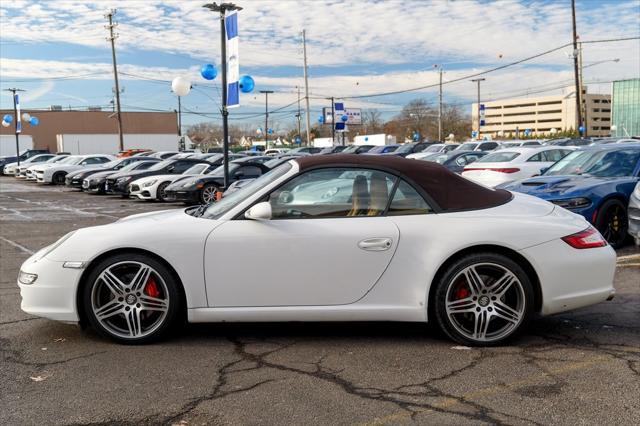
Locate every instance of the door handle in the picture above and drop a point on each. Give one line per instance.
(376, 244)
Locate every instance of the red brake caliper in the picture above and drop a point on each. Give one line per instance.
(462, 293)
(151, 288)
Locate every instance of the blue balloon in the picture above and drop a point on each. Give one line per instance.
(344, 118)
(366, 138)
(8, 118)
(208, 72)
(321, 119)
(34, 121)
(270, 131)
(581, 128)
(247, 84)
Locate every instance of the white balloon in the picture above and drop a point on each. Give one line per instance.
(181, 86)
(5, 124)
(26, 116)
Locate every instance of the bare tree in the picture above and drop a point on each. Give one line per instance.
(372, 122)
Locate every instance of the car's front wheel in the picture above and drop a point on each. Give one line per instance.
(58, 178)
(613, 222)
(209, 194)
(131, 298)
(161, 193)
(483, 299)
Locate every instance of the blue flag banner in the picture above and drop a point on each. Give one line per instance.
(18, 120)
(233, 60)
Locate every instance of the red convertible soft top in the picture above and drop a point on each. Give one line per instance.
(448, 190)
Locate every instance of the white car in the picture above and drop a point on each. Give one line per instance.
(56, 173)
(27, 173)
(272, 152)
(411, 241)
(152, 187)
(61, 159)
(507, 165)
(433, 149)
(11, 169)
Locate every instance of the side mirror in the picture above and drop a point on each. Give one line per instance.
(260, 211)
(544, 169)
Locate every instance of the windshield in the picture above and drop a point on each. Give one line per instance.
(499, 157)
(467, 146)
(133, 166)
(608, 163)
(219, 208)
(276, 162)
(110, 164)
(58, 159)
(161, 165)
(351, 149)
(438, 158)
(196, 169)
(433, 148)
(73, 159)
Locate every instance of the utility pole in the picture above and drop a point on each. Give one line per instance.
(440, 108)
(478, 80)
(181, 143)
(583, 104)
(16, 119)
(266, 117)
(575, 66)
(306, 87)
(222, 8)
(298, 116)
(333, 124)
(112, 38)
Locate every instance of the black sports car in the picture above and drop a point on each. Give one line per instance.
(118, 183)
(95, 183)
(75, 179)
(455, 160)
(204, 189)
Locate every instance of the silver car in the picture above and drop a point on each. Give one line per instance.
(634, 214)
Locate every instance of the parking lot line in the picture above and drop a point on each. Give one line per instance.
(19, 246)
(492, 390)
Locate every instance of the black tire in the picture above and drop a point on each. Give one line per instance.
(160, 194)
(206, 191)
(95, 288)
(613, 223)
(453, 282)
(58, 178)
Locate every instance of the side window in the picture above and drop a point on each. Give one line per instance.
(102, 160)
(334, 192)
(555, 155)
(538, 157)
(462, 160)
(91, 160)
(406, 201)
(248, 172)
(472, 157)
(181, 166)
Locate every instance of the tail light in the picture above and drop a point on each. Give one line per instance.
(499, 170)
(589, 238)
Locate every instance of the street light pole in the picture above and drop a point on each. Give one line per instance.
(112, 38)
(478, 80)
(222, 8)
(333, 124)
(266, 117)
(440, 109)
(575, 66)
(15, 120)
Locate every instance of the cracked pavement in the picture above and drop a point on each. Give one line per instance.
(581, 367)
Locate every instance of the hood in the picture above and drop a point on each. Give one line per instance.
(554, 186)
(103, 174)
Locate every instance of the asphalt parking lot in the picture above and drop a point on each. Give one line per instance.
(581, 367)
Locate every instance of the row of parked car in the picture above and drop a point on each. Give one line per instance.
(595, 180)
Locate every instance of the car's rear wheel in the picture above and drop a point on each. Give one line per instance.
(483, 299)
(209, 194)
(58, 178)
(131, 298)
(161, 193)
(612, 222)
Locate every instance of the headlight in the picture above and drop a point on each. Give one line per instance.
(27, 278)
(121, 179)
(573, 203)
(150, 183)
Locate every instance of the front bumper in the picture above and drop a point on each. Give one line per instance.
(186, 195)
(113, 187)
(572, 278)
(73, 182)
(93, 186)
(142, 193)
(53, 294)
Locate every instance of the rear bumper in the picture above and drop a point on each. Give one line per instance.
(572, 278)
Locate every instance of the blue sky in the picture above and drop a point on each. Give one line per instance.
(57, 51)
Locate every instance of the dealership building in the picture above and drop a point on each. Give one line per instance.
(83, 132)
(625, 117)
(543, 116)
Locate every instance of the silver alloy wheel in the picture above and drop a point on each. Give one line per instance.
(121, 302)
(485, 302)
(209, 194)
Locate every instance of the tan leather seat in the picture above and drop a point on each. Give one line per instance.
(379, 194)
(359, 197)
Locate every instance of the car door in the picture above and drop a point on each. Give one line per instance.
(326, 244)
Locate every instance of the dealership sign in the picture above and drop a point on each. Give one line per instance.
(354, 115)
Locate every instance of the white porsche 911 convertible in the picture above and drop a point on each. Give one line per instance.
(366, 238)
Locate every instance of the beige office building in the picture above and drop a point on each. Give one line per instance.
(543, 116)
